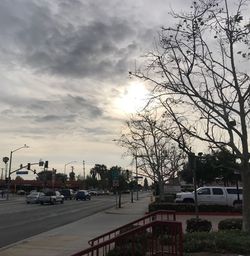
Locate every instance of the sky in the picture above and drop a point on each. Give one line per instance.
(65, 88)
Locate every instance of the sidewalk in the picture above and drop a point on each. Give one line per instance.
(74, 237)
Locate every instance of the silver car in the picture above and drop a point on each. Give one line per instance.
(51, 197)
(34, 197)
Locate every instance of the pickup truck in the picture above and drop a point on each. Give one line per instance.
(51, 197)
(212, 195)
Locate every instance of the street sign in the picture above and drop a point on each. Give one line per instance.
(115, 183)
(22, 172)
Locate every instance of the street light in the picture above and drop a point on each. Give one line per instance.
(11, 152)
(71, 162)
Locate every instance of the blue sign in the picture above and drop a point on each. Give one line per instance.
(22, 172)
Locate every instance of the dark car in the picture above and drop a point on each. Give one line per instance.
(21, 192)
(67, 193)
(82, 195)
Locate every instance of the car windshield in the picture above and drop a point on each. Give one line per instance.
(34, 194)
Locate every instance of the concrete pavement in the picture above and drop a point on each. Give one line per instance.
(74, 237)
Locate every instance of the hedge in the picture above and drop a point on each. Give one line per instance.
(230, 224)
(225, 242)
(155, 206)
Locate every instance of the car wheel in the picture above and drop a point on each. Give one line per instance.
(62, 201)
(41, 203)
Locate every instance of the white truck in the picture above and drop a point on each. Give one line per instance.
(230, 196)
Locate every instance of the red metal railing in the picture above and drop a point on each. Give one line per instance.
(157, 215)
(155, 238)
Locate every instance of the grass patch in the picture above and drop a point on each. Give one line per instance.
(218, 242)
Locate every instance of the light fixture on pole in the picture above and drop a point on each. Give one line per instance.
(11, 153)
(71, 162)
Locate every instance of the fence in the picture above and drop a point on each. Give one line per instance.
(157, 215)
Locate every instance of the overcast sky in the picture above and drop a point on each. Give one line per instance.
(65, 90)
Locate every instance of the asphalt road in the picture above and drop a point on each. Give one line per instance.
(19, 220)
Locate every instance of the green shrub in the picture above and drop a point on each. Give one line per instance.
(199, 242)
(167, 198)
(125, 246)
(168, 206)
(190, 207)
(198, 225)
(218, 242)
(230, 224)
(126, 251)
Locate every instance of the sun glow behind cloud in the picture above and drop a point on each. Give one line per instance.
(133, 99)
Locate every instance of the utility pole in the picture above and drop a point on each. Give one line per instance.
(83, 169)
(136, 169)
(193, 166)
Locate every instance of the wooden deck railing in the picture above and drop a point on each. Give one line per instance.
(161, 215)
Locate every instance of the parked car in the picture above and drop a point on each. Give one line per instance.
(34, 197)
(212, 195)
(82, 195)
(21, 192)
(67, 193)
(51, 197)
(93, 192)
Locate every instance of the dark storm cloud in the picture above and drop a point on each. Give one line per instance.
(97, 131)
(86, 52)
(62, 109)
(81, 105)
(54, 118)
(51, 43)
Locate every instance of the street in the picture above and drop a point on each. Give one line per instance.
(19, 220)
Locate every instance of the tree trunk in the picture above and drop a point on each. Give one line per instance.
(161, 189)
(246, 199)
(120, 200)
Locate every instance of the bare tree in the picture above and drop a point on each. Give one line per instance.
(200, 74)
(157, 156)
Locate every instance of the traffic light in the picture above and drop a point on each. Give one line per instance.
(191, 161)
(46, 165)
(28, 166)
(41, 163)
